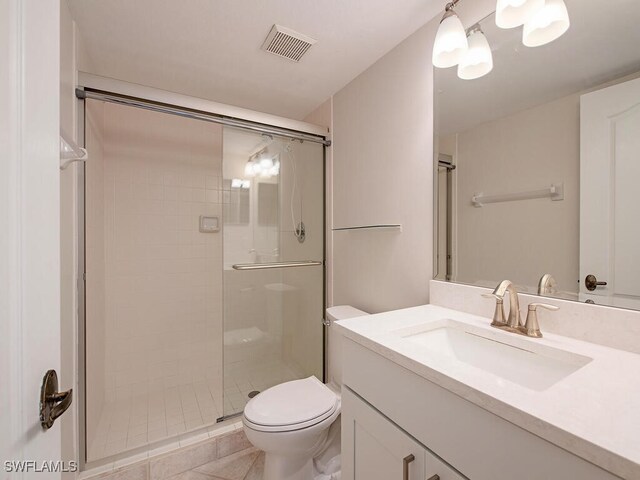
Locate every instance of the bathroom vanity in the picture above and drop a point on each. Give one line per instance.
(433, 393)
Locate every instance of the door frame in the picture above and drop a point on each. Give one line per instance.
(30, 233)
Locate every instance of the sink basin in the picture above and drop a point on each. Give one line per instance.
(518, 360)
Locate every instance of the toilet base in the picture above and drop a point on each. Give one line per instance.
(281, 467)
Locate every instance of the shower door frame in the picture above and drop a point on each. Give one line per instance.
(83, 93)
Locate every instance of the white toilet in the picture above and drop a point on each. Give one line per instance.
(290, 422)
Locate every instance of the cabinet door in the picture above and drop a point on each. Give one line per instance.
(375, 448)
(436, 469)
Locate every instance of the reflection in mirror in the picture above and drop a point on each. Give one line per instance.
(538, 161)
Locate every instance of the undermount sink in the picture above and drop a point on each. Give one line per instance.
(536, 367)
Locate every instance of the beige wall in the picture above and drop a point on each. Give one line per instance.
(383, 174)
(526, 151)
(323, 116)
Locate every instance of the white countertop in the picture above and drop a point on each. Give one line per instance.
(593, 413)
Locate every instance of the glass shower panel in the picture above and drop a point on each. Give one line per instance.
(273, 199)
(153, 320)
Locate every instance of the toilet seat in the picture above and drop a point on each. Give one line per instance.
(291, 406)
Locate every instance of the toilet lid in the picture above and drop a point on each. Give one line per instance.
(292, 403)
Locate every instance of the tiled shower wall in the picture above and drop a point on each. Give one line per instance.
(164, 280)
(157, 279)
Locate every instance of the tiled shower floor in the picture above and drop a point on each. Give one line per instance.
(145, 419)
(140, 420)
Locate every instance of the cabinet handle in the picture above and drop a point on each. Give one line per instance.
(405, 466)
(435, 477)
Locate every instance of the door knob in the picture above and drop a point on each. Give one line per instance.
(591, 282)
(52, 403)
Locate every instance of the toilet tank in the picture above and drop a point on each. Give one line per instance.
(334, 347)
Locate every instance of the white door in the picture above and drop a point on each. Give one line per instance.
(609, 187)
(29, 233)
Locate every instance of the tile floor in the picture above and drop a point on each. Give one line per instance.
(142, 420)
(229, 456)
(244, 465)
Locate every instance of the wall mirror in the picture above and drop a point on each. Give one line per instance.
(538, 162)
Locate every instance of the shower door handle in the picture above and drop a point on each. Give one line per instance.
(263, 266)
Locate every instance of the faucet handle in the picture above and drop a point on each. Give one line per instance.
(498, 314)
(546, 306)
(532, 327)
(492, 295)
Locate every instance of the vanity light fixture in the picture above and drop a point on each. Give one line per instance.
(513, 13)
(451, 39)
(547, 25)
(266, 162)
(477, 61)
(262, 165)
(252, 168)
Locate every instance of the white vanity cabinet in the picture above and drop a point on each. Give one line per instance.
(379, 450)
(390, 412)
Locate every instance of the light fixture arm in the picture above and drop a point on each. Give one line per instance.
(474, 28)
(448, 10)
(451, 5)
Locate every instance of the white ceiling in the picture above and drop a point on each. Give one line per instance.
(211, 48)
(602, 44)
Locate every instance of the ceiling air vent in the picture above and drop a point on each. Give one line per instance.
(287, 43)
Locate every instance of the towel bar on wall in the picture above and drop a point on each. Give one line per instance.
(554, 192)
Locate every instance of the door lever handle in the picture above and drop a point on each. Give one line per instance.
(52, 403)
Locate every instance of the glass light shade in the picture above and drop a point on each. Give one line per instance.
(513, 13)
(451, 42)
(478, 59)
(547, 25)
(236, 183)
(266, 163)
(249, 169)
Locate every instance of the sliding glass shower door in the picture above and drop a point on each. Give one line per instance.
(202, 255)
(153, 267)
(273, 211)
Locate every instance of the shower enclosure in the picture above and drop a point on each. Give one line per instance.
(203, 265)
